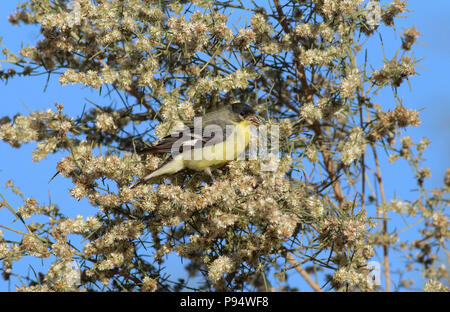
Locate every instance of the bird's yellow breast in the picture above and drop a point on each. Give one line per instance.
(220, 153)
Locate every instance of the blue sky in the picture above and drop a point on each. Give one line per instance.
(429, 90)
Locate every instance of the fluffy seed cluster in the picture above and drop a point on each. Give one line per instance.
(351, 277)
(345, 233)
(410, 36)
(349, 84)
(354, 147)
(219, 267)
(388, 122)
(49, 128)
(435, 286)
(394, 72)
(392, 10)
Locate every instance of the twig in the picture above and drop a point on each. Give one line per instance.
(363, 166)
(290, 258)
(384, 230)
(10, 208)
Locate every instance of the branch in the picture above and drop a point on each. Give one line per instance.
(281, 17)
(300, 69)
(363, 166)
(385, 230)
(308, 92)
(290, 258)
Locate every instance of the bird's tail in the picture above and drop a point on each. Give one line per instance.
(170, 167)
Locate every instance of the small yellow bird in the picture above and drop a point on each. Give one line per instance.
(209, 142)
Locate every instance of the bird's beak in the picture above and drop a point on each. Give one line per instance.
(254, 120)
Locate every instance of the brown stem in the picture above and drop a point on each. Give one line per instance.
(330, 165)
(363, 166)
(300, 69)
(290, 258)
(281, 17)
(385, 229)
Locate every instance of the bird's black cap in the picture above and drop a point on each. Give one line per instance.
(242, 109)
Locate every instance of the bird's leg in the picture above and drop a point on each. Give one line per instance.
(207, 170)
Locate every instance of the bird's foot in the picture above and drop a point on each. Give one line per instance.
(209, 173)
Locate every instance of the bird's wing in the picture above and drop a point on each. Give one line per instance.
(213, 131)
(216, 131)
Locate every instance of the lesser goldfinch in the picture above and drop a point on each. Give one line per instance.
(207, 143)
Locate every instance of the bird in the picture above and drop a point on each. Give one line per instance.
(206, 143)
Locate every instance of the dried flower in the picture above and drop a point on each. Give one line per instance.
(220, 266)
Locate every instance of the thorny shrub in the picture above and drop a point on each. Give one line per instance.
(298, 64)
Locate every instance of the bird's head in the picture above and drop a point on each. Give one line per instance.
(244, 111)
